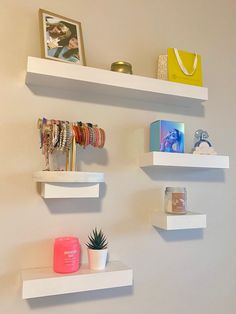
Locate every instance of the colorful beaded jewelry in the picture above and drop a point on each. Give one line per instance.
(58, 135)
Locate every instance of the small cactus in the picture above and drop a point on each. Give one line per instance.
(97, 240)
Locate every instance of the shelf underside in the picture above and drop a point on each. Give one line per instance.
(70, 190)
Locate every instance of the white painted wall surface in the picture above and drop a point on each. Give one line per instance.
(177, 272)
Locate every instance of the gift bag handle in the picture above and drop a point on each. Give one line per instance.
(180, 62)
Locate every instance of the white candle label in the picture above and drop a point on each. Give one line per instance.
(71, 257)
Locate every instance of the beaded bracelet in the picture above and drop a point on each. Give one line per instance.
(58, 135)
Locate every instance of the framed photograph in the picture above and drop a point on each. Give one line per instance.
(61, 38)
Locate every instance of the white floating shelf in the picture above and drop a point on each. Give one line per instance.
(183, 160)
(68, 176)
(69, 184)
(190, 220)
(41, 282)
(43, 72)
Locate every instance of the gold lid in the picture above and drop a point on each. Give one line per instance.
(121, 63)
(121, 66)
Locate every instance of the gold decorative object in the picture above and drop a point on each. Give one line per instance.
(122, 67)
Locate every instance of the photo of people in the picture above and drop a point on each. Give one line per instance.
(61, 38)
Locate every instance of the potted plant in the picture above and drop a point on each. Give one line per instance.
(97, 250)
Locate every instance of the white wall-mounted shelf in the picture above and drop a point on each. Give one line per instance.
(41, 282)
(43, 72)
(69, 184)
(190, 220)
(68, 176)
(183, 160)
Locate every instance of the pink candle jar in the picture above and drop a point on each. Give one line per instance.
(66, 257)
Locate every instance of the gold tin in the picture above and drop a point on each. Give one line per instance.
(122, 67)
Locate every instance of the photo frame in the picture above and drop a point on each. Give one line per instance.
(61, 38)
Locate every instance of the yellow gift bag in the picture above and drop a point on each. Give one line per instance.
(184, 67)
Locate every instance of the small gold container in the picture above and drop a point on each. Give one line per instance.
(122, 67)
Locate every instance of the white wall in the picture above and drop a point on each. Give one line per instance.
(184, 272)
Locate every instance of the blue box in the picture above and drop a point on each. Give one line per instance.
(167, 136)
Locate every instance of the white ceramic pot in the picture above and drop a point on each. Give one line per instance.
(97, 259)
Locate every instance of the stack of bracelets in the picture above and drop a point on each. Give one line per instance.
(56, 135)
